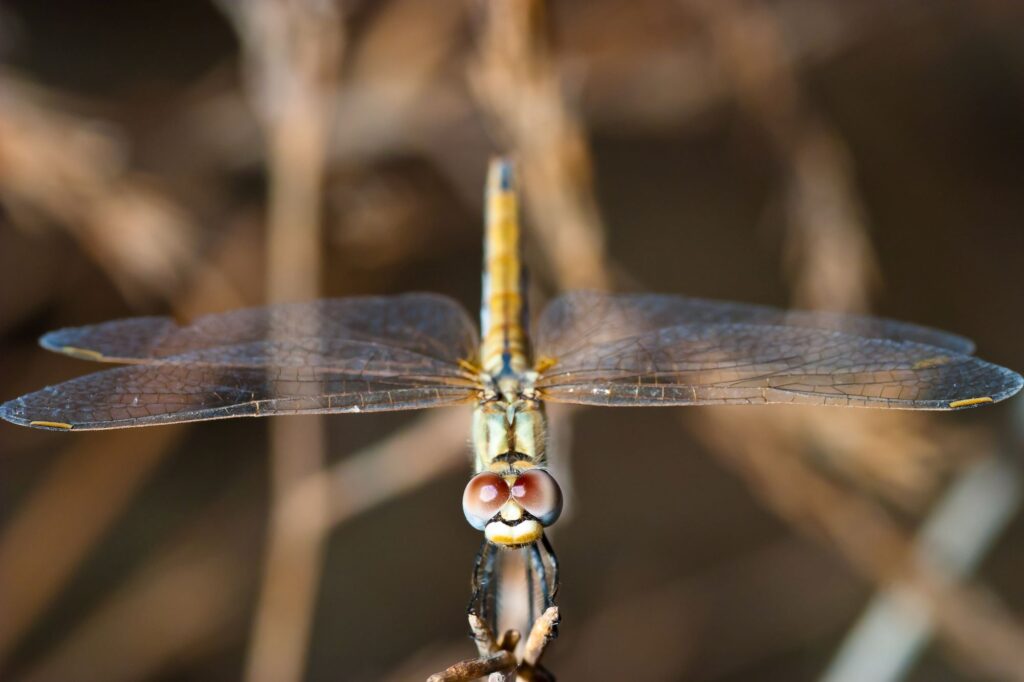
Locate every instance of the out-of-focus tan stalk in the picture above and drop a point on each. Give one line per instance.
(292, 50)
(829, 258)
(69, 170)
(210, 562)
(831, 264)
(72, 171)
(516, 81)
(63, 518)
(182, 603)
(966, 616)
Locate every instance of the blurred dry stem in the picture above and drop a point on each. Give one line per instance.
(182, 603)
(831, 265)
(829, 258)
(960, 530)
(427, 449)
(86, 489)
(61, 169)
(516, 81)
(70, 171)
(725, 619)
(291, 58)
(966, 616)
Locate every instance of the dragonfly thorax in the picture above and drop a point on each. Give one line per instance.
(509, 438)
(509, 433)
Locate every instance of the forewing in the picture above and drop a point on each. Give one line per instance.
(345, 355)
(427, 325)
(167, 393)
(673, 361)
(579, 319)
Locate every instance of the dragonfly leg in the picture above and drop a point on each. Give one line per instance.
(489, 580)
(475, 581)
(484, 585)
(553, 559)
(541, 574)
(538, 569)
(531, 568)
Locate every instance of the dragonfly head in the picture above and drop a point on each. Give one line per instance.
(513, 508)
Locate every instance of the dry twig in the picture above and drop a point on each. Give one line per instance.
(66, 514)
(183, 601)
(292, 50)
(496, 654)
(70, 171)
(62, 168)
(831, 265)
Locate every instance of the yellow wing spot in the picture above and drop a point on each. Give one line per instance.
(51, 425)
(970, 401)
(83, 353)
(931, 362)
(544, 364)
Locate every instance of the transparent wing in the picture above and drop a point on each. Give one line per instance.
(666, 350)
(582, 318)
(166, 393)
(346, 355)
(426, 325)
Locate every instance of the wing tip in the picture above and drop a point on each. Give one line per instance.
(970, 402)
(57, 342)
(13, 411)
(1013, 386)
(51, 341)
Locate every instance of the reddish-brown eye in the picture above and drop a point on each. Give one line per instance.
(538, 493)
(484, 495)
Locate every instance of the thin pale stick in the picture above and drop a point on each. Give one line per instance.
(292, 53)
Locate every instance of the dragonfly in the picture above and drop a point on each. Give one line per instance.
(420, 350)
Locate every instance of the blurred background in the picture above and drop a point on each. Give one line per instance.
(195, 156)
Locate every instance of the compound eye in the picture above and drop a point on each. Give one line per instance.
(538, 493)
(484, 495)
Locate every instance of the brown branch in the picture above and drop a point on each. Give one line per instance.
(502, 663)
(496, 655)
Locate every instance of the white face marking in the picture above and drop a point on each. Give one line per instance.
(520, 534)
